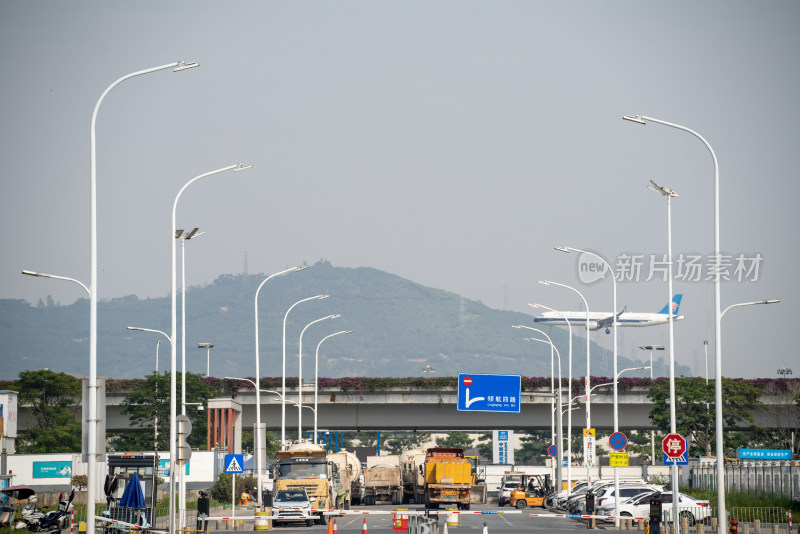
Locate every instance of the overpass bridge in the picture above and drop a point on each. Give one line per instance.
(433, 410)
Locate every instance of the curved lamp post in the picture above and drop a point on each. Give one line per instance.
(569, 396)
(723, 520)
(283, 378)
(588, 370)
(614, 326)
(258, 442)
(91, 485)
(300, 374)
(316, 375)
(651, 348)
(173, 354)
(155, 419)
(560, 433)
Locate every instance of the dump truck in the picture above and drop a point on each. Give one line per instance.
(349, 468)
(478, 491)
(383, 480)
(307, 466)
(412, 464)
(448, 478)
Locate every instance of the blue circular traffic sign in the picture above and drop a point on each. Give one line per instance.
(618, 441)
(552, 450)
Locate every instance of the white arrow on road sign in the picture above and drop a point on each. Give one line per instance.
(470, 401)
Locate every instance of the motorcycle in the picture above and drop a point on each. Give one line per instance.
(35, 520)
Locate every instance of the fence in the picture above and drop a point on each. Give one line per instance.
(772, 478)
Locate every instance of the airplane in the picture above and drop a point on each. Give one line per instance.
(598, 320)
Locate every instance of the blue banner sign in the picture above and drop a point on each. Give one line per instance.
(764, 454)
(52, 469)
(163, 465)
(489, 393)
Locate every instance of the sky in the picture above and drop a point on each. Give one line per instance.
(452, 143)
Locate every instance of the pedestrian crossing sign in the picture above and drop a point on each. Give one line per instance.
(234, 463)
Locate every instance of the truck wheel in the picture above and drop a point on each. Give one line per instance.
(521, 504)
(465, 506)
(346, 505)
(323, 519)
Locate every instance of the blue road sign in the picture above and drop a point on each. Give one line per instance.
(618, 441)
(552, 450)
(764, 454)
(681, 460)
(489, 393)
(234, 463)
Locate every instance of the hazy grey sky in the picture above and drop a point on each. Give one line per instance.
(453, 143)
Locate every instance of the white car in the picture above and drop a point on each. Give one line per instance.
(292, 505)
(691, 509)
(606, 497)
(505, 492)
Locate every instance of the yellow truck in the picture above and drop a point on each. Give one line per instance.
(306, 466)
(448, 478)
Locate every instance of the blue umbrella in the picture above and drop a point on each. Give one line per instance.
(132, 497)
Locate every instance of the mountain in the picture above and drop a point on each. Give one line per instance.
(399, 327)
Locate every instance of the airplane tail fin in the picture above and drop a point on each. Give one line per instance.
(676, 304)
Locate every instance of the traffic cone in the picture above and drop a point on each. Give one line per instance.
(485, 529)
(335, 529)
(445, 528)
(364, 527)
(330, 526)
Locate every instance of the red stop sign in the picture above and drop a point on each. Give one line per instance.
(674, 446)
(467, 380)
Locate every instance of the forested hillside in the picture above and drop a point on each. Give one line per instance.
(399, 327)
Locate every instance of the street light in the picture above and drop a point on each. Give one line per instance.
(569, 396)
(614, 326)
(651, 348)
(257, 440)
(207, 346)
(783, 371)
(54, 277)
(560, 433)
(92, 418)
(673, 425)
(173, 354)
(588, 372)
(300, 373)
(723, 521)
(316, 374)
(184, 237)
(428, 370)
(155, 419)
(283, 378)
(768, 301)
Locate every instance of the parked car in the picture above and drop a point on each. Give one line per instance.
(693, 510)
(292, 505)
(504, 497)
(607, 495)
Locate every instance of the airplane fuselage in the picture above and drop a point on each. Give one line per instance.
(625, 319)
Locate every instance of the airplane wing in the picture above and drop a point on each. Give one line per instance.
(607, 322)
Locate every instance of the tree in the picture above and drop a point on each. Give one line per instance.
(534, 447)
(400, 443)
(486, 445)
(456, 439)
(695, 408)
(150, 399)
(54, 399)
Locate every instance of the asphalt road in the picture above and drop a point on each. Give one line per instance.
(509, 521)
